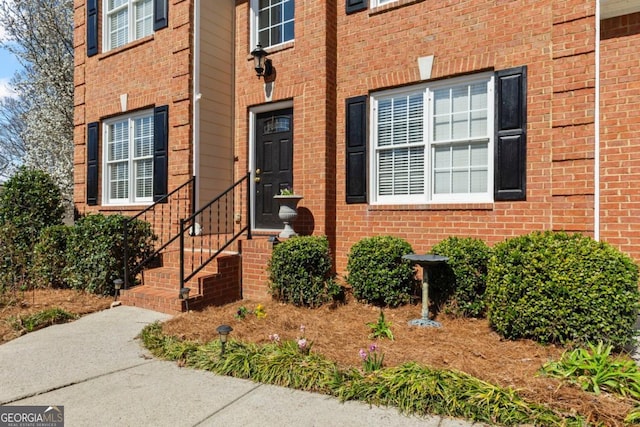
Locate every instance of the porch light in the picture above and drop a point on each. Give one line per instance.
(223, 331)
(262, 64)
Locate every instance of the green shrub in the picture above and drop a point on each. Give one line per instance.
(95, 251)
(13, 260)
(378, 274)
(50, 257)
(556, 287)
(300, 271)
(459, 285)
(31, 201)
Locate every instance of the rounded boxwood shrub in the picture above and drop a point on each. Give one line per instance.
(50, 257)
(95, 251)
(561, 288)
(377, 273)
(300, 271)
(459, 285)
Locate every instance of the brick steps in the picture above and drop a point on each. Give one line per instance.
(218, 283)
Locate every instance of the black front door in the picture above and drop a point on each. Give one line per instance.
(274, 164)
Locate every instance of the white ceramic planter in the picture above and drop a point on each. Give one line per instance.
(287, 213)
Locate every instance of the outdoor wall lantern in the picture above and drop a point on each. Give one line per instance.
(117, 284)
(262, 64)
(223, 331)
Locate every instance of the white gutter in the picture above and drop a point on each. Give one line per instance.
(596, 125)
(196, 101)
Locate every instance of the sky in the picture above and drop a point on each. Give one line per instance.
(8, 65)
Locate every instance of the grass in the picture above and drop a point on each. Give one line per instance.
(463, 369)
(413, 388)
(41, 319)
(23, 312)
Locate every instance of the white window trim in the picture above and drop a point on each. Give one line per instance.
(131, 33)
(132, 200)
(253, 22)
(428, 197)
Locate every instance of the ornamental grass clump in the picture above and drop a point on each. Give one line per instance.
(421, 390)
(41, 319)
(562, 288)
(595, 369)
(412, 388)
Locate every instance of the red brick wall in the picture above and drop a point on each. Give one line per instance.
(152, 71)
(305, 74)
(378, 49)
(620, 133)
(255, 279)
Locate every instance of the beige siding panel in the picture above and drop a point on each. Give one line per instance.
(216, 102)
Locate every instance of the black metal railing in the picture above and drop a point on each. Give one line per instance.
(213, 228)
(165, 217)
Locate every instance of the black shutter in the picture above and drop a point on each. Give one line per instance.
(92, 27)
(511, 134)
(160, 151)
(356, 149)
(92, 163)
(356, 5)
(160, 14)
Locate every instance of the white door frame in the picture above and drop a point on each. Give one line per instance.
(253, 112)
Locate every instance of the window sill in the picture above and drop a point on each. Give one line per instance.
(433, 207)
(391, 6)
(122, 208)
(126, 47)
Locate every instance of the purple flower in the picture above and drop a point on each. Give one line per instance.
(363, 354)
(373, 348)
(302, 329)
(302, 343)
(275, 338)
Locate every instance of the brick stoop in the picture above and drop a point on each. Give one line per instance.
(217, 284)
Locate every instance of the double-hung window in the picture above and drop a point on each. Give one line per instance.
(433, 143)
(274, 22)
(128, 154)
(127, 20)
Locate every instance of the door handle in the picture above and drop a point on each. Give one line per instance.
(258, 171)
(257, 179)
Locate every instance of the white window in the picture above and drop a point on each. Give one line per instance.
(126, 21)
(376, 3)
(273, 22)
(433, 143)
(128, 154)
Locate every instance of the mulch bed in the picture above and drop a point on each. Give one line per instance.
(467, 345)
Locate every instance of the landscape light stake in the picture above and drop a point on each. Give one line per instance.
(117, 284)
(223, 331)
(184, 294)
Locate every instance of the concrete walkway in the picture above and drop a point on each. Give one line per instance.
(98, 371)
